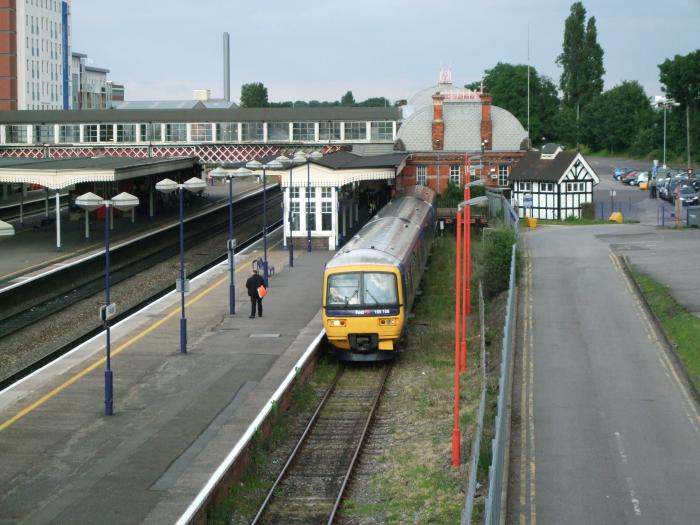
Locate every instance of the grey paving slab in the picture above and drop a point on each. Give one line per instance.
(176, 416)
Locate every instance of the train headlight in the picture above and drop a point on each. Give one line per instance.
(388, 322)
(336, 322)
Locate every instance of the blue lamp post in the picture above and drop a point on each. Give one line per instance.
(220, 173)
(123, 202)
(273, 165)
(182, 285)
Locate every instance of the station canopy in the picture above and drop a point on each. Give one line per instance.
(60, 173)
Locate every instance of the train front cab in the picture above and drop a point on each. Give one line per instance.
(363, 311)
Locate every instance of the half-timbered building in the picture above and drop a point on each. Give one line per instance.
(552, 183)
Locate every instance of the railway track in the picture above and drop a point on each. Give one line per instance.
(310, 487)
(20, 329)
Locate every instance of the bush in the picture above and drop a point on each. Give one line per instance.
(588, 210)
(494, 260)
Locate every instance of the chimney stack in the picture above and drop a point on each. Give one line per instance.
(227, 74)
(486, 123)
(438, 124)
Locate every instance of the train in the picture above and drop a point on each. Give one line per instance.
(371, 284)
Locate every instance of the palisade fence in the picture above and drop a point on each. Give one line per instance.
(493, 503)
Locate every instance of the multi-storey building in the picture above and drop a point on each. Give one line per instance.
(34, 51)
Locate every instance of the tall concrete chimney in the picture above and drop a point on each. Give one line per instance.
(227, 74)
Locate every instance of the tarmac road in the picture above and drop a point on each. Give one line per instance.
(604, 431)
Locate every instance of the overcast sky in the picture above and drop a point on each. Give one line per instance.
(304, 50)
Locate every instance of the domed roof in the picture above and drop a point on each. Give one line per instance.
(462, 127)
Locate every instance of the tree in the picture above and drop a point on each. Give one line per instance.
(254, 95)
(507, 83)
(375, 102)
(680, 77)
(348, 99)
(615, 119)
(581, 60)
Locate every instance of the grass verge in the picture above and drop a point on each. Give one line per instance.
(682, 327)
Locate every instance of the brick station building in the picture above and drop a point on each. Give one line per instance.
(445, 129)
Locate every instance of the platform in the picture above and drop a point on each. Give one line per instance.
(33, 246)
(176, 416)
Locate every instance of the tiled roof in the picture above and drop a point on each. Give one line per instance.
(533, 167)
(462, 128)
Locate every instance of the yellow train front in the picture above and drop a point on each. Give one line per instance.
(370, 285)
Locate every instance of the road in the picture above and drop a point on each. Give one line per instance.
(603, 430)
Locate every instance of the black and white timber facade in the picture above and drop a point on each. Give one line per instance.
(552, 183)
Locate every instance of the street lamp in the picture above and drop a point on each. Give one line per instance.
(181, 285)
(273, 165)
(88, 202)
(665, 103)
(458, 341)
(220, 173)
(314, 155)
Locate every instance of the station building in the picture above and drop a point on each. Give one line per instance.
(454, 134)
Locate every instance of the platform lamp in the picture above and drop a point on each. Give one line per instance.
(456, 439)
(256, 165)
(182, 285)
(314, 155)
(287, 162)
(221, 174)
(88, 202)
(6, 229)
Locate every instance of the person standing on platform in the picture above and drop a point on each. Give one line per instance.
(253, 283)
(652, 187)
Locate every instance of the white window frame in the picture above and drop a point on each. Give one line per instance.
(422, 175)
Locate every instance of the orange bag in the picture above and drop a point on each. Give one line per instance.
(262, 291)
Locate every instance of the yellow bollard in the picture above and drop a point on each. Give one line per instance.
(531, 222)
(616, 217)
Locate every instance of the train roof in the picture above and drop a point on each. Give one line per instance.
(385, 239)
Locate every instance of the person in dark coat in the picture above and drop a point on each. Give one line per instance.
(252, 284)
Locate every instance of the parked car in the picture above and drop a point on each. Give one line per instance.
(642, 176)
(695, 183)
(627, 177)
(673, 185)
(688, 196)
(619, 172)
(662, 187)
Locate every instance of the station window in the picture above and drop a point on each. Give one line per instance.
(311, 215)
(381, 131)
(304, 131)
(524, 186)
(126, 132)
(422, 175)
(90, 134)
(296, 225)
(278, 131)
(547, 187)
(106, 132)
(294, 193)
(327, 193)
(227, 132)
(151, 133)
(176, 132)
(329, 131)
(69, 133)
(503, 175)
(16, 134)
(326, 216)
(355, 131)
(43, 133)
(201, 132)
(252, 131)
(454, 174)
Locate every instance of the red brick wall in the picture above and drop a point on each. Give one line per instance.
(438, 138)
(486, 123)
(8, 55)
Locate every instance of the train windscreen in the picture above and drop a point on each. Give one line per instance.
(362, 290)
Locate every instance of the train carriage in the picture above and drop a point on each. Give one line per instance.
(371, 283)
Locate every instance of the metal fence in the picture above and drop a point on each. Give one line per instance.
(629, 210)
(494, 502)
(476, 442)
(666, 216)
(499, 207)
